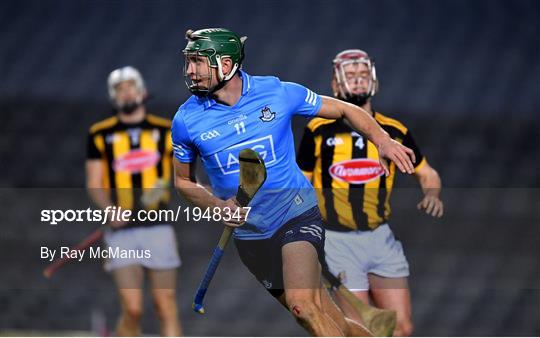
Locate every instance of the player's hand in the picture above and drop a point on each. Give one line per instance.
(231, 207)
(155, 194)
(432, 205)
(394, 151)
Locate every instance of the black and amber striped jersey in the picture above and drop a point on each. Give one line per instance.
(136, 158)
(351, 187)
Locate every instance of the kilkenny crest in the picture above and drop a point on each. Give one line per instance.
(267, 115)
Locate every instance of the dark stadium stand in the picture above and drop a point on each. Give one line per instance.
(462, 74)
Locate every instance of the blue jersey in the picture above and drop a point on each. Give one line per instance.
(260, 120)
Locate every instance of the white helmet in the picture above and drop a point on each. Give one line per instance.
(124, 74)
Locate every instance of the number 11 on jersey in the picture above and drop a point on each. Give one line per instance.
(240, 128)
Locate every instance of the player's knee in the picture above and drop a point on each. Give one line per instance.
(133, 312)
(165, 304)
(404, 328)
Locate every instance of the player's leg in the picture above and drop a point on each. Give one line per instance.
(162, 266)
(347, 259)
(388, 279)
(301, 278)
(264, 259)
(393, 293)
(295, 251)
(128, 275)
(163, 283)
(129, 281)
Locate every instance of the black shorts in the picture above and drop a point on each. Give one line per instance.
(263, 257)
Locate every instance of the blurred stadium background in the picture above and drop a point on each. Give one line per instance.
(463, 75)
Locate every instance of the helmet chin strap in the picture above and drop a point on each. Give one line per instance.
(221, 84)
(221, 76)
(222, 79)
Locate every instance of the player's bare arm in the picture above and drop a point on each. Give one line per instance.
(430, 182)
(186, 185)
(94, 179)
(360, 120)
(96, 190)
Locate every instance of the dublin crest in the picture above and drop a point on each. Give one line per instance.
(267, 115)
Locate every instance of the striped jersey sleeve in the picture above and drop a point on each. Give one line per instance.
(302, 101)
(183, 149)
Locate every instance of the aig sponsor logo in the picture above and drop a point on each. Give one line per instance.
(227, 159)
(210, 135)
(356, 171)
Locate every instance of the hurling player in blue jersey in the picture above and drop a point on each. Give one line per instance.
(282, 240)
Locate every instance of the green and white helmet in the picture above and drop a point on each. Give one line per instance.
(214, 44)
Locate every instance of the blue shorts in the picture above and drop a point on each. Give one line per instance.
(263, 257)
